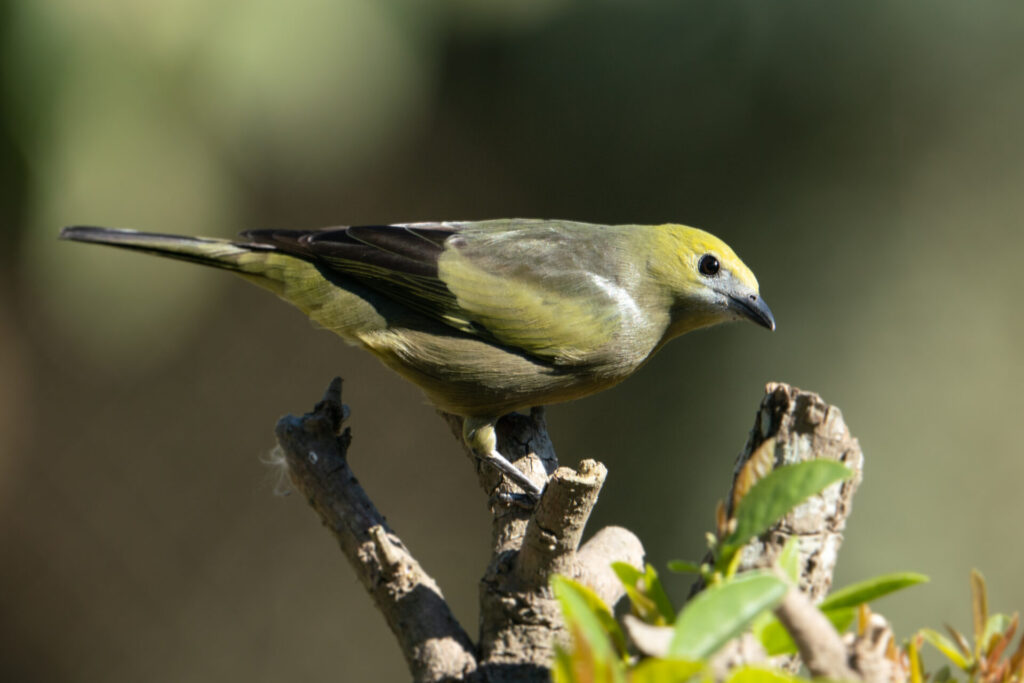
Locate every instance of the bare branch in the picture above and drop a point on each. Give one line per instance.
(435, 646)
(556, 526)
(519, 618)
(821, 648)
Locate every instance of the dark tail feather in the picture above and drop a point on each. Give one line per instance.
(207, 251)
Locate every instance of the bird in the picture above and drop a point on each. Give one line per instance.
(494, 316)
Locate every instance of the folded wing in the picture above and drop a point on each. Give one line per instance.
(549, 289)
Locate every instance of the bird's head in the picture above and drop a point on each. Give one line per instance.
(708, 281)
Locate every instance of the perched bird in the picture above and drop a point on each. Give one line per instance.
(492, 316)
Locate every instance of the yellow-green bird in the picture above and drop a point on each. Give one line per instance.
(489, 317)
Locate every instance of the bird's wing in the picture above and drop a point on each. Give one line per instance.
(538, 288)
(396, 260)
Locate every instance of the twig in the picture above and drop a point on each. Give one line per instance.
(821, 647)
(435, 647)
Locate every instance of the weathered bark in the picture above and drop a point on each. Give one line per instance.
(435, 646)
(797, 426)
(519, 617)
(793, 426)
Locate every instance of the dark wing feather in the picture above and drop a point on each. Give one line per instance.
(399, 261)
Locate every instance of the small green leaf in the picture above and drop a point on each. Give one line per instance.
(722, 611)
(947, 647)
(871, 589)
(665, 671)
(627, 573)
(775, 639)
(838, 607)
(776, 494)
(755, 674)
(656, 592)
(650, 602)
(684, 567)
(643, 606)
(789, 560)
(597, 638)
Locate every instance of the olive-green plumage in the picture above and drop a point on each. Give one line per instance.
(493, 316)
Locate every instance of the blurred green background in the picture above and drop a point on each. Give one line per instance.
(865, 159)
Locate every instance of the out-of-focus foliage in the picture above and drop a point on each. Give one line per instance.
(729, 604)
(722, 611)
(646, 594)
(993, 657)
(839, 606)
(139, 113)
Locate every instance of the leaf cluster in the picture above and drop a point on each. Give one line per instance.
(986, 658)
(731, 603)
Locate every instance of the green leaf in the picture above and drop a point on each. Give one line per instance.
(684, 567)
(871, 589)
(722, 611)
(755, 674)
(656, 592)
(789, 560)
(650, 602)
(665, 671)
(643, 606)
(777, 493)
(839, 607)
(598, 643)
(775, 639)
(948, 648)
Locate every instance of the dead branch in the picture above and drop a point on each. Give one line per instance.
(519, 618)
(436, 648)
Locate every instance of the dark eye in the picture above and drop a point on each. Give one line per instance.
(708, 265)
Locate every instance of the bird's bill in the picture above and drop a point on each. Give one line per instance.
(753, 308)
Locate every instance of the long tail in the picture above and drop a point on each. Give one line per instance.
(204, 250)
(294, 279)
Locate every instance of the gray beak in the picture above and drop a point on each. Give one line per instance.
(753, 308)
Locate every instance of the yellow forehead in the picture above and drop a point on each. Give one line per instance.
(693, 243)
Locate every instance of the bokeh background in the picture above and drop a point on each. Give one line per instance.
(866, 160)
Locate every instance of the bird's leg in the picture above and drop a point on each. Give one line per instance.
(480, 436)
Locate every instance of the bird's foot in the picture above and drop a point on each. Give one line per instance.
(530, 490)
(519, 500)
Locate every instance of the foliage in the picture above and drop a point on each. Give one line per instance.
(730, 603)
(733, 602)
(986, 660)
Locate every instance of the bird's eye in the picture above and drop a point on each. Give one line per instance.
(708, 265)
